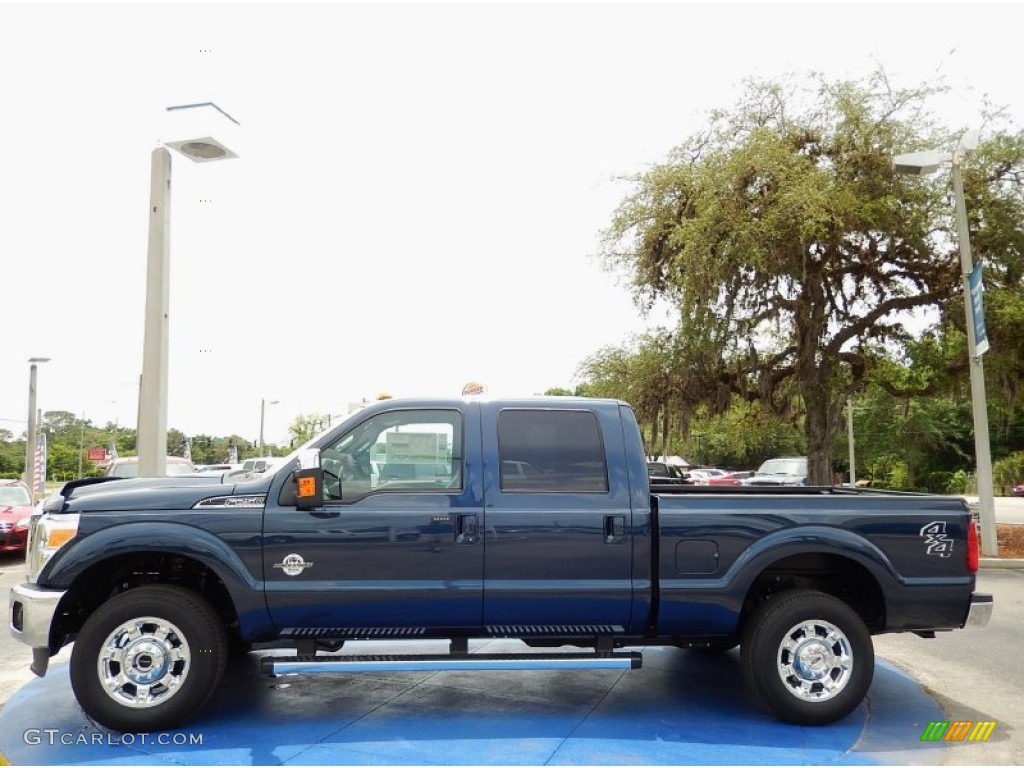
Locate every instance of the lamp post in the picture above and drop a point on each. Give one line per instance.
(152, 437)
(263, 413)
(850, 442)
(921, 164)
(30, 443)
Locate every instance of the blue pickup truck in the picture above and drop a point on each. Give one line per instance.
(470, 518)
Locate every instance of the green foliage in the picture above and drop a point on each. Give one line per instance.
(794, 253)
(741, 438)
(1008, 472)
(957, 483)
(303, 428)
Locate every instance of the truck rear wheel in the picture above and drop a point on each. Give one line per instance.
(148, 659)
(808, 657)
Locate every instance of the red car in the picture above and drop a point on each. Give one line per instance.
(731, 478)
(15, 511)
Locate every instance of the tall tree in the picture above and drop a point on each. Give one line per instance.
(793, 252)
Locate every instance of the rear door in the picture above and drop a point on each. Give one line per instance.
(558, 518)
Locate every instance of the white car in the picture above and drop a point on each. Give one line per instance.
(702, 475)
(128, 466)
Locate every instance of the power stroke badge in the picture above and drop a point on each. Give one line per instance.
(293, 565)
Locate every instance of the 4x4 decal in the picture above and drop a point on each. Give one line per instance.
(936, 540)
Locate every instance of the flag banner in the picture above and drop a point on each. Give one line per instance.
(39, 471)
(233, 455)
(112, 456)
(188, 449)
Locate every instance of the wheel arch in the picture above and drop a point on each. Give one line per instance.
(839, 575)
(830, 560)
(114, 560)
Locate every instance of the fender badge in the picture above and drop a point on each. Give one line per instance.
(293, 565)
(936, 540)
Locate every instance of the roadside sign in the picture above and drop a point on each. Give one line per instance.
(978, 310)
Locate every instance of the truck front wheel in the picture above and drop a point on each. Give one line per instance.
(148, 659)
(808, 657)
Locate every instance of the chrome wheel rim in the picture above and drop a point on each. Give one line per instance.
(144, 662)
(815, 660)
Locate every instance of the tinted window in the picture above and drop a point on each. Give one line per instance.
(562, 449)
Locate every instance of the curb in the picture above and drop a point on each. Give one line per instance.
(1001, 562)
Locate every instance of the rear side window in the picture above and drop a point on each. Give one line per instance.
(551, 451)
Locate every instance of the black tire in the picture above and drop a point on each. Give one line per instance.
(175, 642)
(808, 657)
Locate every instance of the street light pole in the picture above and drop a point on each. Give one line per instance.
(32, 437)
(919, 164)
(849, 430)
(263, 411)
(152, 437)
(979, 402)
(200, 148)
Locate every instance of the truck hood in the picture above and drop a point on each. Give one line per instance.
(156, 493)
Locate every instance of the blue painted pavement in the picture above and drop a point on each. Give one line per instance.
(683, 707)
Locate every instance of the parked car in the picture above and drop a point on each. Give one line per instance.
(790, 470)
(731, 478)
(662, 472)
(205, 470)
(15, 511)
(703, 475)
(128, 466)
(257, 466)
(1018, 490)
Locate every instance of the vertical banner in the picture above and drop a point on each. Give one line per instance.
(188, 449)
(39, 470)
(232, 455)
(112, 455)
(978, 310)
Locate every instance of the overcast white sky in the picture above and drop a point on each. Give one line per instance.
(420, 193)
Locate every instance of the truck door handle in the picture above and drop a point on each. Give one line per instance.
(467, 529)
(614, 528)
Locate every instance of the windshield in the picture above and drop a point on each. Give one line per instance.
(14, 496)
(796, 467)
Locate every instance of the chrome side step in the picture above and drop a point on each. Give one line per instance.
(275, 666)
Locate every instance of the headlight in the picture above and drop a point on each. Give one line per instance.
(46, 535)
(22, 524)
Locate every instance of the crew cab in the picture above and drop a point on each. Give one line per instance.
(531, 519)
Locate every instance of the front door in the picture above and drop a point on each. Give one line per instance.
(397, 542)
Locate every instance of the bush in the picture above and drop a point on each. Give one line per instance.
(957, 483)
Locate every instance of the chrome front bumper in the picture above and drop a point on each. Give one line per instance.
(980, 611)
(30, 616)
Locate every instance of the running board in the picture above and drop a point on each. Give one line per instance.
(275, 666)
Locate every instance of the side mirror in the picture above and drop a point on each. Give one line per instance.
(309, 488)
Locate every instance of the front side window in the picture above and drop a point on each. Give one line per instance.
(406, 450)
(551, 451)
